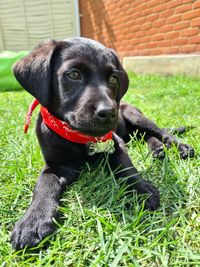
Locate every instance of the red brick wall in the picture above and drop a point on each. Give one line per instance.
(139, 27)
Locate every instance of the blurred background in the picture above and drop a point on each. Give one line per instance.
(134, 28)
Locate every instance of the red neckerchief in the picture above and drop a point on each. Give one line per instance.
(62, 128)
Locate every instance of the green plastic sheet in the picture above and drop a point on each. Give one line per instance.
(7, 60)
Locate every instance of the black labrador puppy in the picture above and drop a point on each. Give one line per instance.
(79, 84)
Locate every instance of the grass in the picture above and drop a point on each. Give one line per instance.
(97, 228)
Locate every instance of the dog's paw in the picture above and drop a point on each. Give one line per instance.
(158, 153)
(185, 151)
(152, 197)
(30, 230)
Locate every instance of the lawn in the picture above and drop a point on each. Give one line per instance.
(96, 227)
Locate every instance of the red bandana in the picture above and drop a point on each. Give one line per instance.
(62, 128)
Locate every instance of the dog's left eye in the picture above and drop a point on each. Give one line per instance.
(113, 80)
(74, 75)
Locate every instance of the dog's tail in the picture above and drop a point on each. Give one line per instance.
(178, 130)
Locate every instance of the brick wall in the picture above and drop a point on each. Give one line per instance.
(137, 27)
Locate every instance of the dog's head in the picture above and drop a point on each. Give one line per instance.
(78, 80)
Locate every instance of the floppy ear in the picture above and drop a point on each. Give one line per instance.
(123, 78)
(124, 82)
(33, 72)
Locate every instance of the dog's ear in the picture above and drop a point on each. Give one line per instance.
(33, 72)
(123, 78)
(124, 82)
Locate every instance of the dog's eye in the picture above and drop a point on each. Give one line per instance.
(113, 80)
(74, 75)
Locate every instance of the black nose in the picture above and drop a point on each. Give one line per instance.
(105, 113)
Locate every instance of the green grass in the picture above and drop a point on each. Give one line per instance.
(97, 228)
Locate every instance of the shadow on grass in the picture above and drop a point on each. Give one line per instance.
(3, 90)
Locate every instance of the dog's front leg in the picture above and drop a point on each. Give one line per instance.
(153, 135)
(37, 222)
(124, 170)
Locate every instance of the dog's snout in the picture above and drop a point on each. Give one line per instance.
(106, 113)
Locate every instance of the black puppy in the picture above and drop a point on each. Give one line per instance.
(79, 84)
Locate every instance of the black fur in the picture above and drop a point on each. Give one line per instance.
(90, 103)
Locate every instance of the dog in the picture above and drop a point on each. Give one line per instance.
(79, 84)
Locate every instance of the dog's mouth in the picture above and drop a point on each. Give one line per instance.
(90, 127)
(92, 131)
(96, 132)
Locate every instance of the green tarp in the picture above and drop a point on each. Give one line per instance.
(7, 60)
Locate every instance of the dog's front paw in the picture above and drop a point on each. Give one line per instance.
(185, 151)
(152, 197)
(30, 230)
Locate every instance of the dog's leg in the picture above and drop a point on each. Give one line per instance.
(121, 164)
(38, 220)
(135, 121)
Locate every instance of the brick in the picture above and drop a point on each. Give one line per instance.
(147, 12)
(173, 19)
(133, 41)
(135, 53)
(187, 1)
(139, 34)
(171, 50)
(140, 20)
(158, 23)
(183, 8)
(152, 17)
(134, 28)
(196, 4)
(117, 21)
(115, 10)
(130, 47)
(166, 28)
(191, 14)
(181, 25)
(153, 3)
(190, 32)
(180, 41)
(152, 45)
(164, 43)
(174, 3)
(195, 40)
(159, 8)
(187, 48)
(158, 37)
(162, 2)
(144, 53)
(146, 26)
(140, 47)
(135, 15)
(122, 8)
(145, 39)
(138, 6)
(172, 35)
(129, 36)
(157, 51)
(166, 13)
(195, 22)
(120, 27)
(198, 48)
(153, 31)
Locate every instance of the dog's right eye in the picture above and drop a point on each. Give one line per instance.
(113, 80)
(74, 75)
